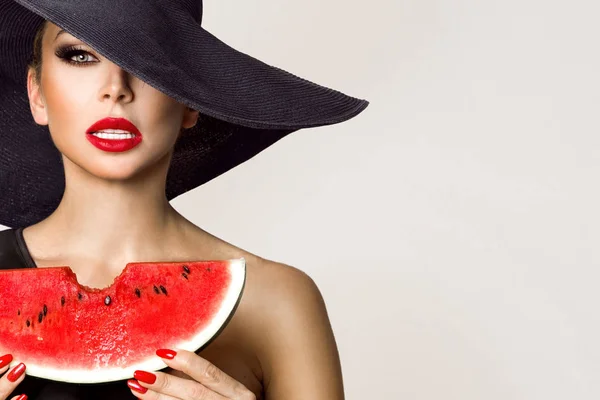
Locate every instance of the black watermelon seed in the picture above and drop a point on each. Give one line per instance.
(107, 300)
(138, 293)
(62, 301)
(156, 290)
(208, 269)
(18, 312)
(184, 275)
(162, 289)
(40, 316)
(79, 296)
(186, 269)
(28, 323)
(45, 310)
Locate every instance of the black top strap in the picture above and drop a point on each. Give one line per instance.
(13, 251)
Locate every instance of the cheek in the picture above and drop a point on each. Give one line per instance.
(71, 106)
(163, 118)
(67, 101)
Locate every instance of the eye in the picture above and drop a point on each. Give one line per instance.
(74, 55)
(80, 56)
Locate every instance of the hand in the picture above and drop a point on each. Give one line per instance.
(207, 383)
(10, 381)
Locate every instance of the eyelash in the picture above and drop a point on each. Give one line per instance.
(65, 53)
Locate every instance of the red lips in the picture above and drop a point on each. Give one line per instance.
(114, 123)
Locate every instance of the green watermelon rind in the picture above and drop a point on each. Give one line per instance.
(218, 323)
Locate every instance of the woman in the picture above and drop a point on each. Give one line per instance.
(113, 209)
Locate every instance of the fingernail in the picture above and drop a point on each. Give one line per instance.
(166, 353)
(22, 397)
(135, 385)
(16, 372)
(145, 377)
(5, 360)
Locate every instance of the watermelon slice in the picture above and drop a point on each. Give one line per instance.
(68, 332)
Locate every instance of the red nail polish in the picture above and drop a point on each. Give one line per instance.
(166, 353)
(22, 397)
(5, 360)
(145, 377)
(16, 372)
(135, 385)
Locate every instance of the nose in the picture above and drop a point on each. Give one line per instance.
(116, 86)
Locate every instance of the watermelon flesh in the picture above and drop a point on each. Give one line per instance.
(67, 332)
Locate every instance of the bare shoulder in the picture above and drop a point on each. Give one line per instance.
(282, 320)
(274, 290)
(279, 281)
(293, 338)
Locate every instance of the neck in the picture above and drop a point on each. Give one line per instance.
(113, 222)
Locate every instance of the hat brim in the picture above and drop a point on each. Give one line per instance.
(245, 104)
(183, 60)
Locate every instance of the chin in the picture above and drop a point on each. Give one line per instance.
(101, 166)
(115, 166)
(112, 175)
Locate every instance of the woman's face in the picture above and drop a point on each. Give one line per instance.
(79, 87)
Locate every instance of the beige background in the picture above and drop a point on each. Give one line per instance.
(452, 226)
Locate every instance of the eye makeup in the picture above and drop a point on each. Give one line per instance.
(66, 53)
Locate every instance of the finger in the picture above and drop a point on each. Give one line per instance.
(160, 383)
(12, 379)
(206, 373)
(142, 392)
(5, 361)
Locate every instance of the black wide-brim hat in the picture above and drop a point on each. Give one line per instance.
(245, 105)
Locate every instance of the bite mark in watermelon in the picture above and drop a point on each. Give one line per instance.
(68, 332)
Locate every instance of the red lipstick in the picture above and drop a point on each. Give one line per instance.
(113, 144)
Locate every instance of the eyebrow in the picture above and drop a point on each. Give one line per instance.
(59, 33)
